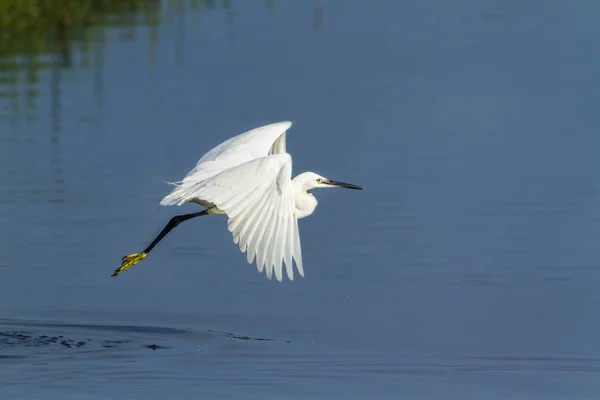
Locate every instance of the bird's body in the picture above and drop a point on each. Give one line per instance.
(249, 178)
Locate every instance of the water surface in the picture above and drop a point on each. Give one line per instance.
(468, 268)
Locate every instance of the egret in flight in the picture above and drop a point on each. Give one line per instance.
(249, 179)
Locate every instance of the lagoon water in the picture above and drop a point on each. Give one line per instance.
(468, 268)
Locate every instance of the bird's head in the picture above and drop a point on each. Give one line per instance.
(310, 180)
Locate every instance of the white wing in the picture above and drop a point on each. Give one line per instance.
(258, 199)
(250, 145)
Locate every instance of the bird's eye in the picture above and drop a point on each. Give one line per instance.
(319, 180)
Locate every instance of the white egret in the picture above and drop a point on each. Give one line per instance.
(249, 178)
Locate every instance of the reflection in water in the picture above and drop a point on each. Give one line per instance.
(50, 41)
(74, 35)
(180, 37)
(318, 14)
(55, 107)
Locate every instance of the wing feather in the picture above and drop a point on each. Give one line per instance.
(289, 247)
(297, 249)
(275, 243)
(262, 239)
(250, 145)
(234, 223)
(252, 212)
(280, 250)
(267, 245)
(258, 198)
(251, 224)
(259, 231)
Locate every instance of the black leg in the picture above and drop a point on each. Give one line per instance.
(176, 220)
(132, 259)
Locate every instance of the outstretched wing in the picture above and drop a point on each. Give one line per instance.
(247, 146)
(258, 198)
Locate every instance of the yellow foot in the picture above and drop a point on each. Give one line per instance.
(129, 261)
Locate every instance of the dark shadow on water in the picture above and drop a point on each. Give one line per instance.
(26, 339)
(110, 328)
(234, 336)
(155, 347)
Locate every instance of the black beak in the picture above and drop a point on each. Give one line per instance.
(342, 184)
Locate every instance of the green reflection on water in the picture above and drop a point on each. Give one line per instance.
(42, 35)
(40, 38)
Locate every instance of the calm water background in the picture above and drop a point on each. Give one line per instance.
(467, 269)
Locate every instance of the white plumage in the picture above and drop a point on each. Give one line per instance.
(249, 178)
(247, 146)
(254, 189)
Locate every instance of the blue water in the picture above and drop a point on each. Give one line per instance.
(468, 268)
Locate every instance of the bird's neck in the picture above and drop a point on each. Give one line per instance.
(305, 205)
(305, 202)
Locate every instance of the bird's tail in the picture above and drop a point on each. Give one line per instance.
(175, 197)
(182, 192)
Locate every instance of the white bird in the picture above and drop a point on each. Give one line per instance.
(249, 178)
